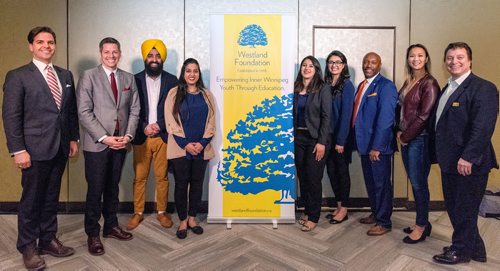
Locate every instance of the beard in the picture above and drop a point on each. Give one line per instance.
(153, 70)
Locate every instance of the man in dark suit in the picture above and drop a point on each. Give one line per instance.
(108, 108)
(464, 122)
(41, 127)
(373, 122)
(150, 142)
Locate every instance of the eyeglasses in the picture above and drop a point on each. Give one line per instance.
(335, 63)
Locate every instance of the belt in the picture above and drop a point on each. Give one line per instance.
(302, 128)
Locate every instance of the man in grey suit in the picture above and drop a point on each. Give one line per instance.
(41, 128)
(108, 107)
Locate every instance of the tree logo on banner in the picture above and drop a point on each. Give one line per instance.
(260, 155)
(252, 35)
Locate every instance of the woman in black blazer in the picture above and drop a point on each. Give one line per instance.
(312, 110)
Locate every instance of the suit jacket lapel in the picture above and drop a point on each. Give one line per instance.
(107, 84)
(368, 91)
(42, 82)
(163, 91)
(453, 97)
(144, 89)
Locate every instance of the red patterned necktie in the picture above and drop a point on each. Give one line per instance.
(54, 86)
(357, 101)
(114, 87)
(115, 93)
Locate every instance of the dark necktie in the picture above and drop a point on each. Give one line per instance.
(114, 87)
(115, 94)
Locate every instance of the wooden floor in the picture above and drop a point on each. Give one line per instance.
(257, 247)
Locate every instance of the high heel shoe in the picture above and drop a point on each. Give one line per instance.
(408, 230)
(428, 229)
(425, 233)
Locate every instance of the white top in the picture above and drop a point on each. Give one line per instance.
(153, 88)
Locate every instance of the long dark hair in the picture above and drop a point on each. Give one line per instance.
(316, 82)
(344, 74)
(427, 67)
(182, 88)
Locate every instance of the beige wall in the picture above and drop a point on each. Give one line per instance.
(18, 18)
(183, 26)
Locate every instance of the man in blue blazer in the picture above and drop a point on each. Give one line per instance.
(41, 127)
(150, 142)
(373, 122)
(463, 123)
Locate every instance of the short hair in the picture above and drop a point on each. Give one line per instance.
(109, 40)
(40, 29)
(458, 45)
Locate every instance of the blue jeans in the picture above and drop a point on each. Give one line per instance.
(417, 164)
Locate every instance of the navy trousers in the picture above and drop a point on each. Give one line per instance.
(377, 177)
(462, 197)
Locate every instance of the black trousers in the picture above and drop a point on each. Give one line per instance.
(37, 216)
(462, 197)
(310, 172)
(337, 168)
(102, 171)
(188, 172)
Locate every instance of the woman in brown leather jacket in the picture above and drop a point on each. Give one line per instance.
(417, 98)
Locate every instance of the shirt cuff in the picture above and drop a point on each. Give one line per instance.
(17, 152)
(102, 138)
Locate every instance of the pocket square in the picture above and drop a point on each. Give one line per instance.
(373, 94)
(68, 85)
(455, 104)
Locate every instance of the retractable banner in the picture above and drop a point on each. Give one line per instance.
(252, 65)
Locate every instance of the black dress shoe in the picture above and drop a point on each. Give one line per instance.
(119, 234)
(95, 246)
(56, 249)
(478, 257)
(334, 221)
(451, 257)
(329, 216)
(196, 229)
(181, 234)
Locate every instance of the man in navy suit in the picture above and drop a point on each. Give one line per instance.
(373, 122)
(464, 122)
(150, 142)
(41, 126)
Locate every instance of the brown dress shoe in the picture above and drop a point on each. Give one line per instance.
(95, 246)
(31, 258)
(134, 221)
(165, 220)
(368, 220)
(56, 249)
(377, 230)
(119, 234)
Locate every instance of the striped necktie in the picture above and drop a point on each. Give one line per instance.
(54, 86)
